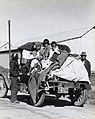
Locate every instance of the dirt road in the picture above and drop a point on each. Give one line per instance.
(52, 109)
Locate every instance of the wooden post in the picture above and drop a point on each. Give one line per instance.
(9, 40)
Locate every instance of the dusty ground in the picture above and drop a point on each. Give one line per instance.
(52, 109)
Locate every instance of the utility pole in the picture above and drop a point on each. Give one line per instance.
(9, 39)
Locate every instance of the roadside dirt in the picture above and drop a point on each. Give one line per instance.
(52, 109)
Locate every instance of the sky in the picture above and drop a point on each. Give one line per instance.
(32, 19)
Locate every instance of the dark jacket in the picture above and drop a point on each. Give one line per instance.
(14, 68)
(88, 67)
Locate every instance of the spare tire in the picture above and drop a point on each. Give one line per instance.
(3, 87)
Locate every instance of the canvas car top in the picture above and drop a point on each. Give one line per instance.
(28, 46)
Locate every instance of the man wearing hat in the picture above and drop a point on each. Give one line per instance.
(14, 71)
(86, 63)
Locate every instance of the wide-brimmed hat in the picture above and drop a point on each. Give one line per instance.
(83, 54)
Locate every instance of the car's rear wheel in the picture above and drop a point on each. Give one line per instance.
(3, 87)
(79, 97)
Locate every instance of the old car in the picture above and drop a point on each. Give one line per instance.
(55, 85)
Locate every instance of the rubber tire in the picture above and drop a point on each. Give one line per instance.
(3, 87)
(82, 97)
(39, 102)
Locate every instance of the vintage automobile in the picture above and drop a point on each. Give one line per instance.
(55, 85)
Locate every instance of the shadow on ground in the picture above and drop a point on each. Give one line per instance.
(49, 101)
(53, 101)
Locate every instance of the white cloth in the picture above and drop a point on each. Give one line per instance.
(33, 62)
(72, 70)
(26, 54)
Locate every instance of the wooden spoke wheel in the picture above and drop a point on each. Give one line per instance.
(79, 97)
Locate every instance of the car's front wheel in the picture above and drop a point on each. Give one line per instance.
(40, 97)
